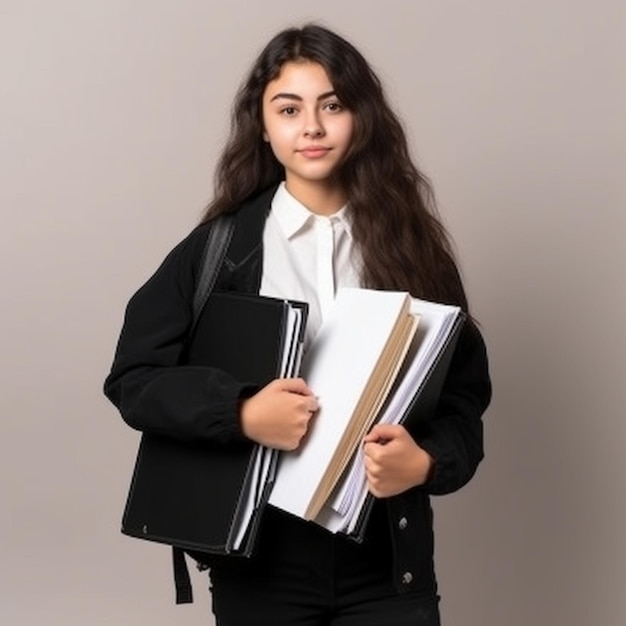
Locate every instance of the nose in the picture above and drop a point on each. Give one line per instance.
(313, 128)
(313, 132)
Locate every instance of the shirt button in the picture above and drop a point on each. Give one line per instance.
(403, 523)
(407, 578)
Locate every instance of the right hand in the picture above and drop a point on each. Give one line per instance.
(278, 415)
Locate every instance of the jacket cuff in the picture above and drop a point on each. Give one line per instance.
(444, 473)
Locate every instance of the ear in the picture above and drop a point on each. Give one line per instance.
(266, 137)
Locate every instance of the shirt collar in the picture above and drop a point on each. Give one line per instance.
(292, 215)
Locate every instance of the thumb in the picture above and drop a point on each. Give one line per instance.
(295, 385)
(381, 433)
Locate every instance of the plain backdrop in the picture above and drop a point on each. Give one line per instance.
(112, 114)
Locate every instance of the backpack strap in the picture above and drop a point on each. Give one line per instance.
(218, 239)
(182, 580)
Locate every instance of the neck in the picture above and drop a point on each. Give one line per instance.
(321, 198)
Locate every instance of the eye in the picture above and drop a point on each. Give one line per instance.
(333, 107)
(288, 111)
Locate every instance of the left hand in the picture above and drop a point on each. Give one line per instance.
(393, 461)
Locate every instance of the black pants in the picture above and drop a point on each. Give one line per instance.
(302, 575)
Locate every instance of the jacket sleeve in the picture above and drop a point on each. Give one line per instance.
(153, 390)
(454, 437)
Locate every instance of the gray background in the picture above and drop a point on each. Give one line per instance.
(111, 116)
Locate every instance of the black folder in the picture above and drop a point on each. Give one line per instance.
(195, 495)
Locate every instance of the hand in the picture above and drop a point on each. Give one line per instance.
(393, 461)
(278, 415)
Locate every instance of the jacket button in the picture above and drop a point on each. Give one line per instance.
(407, 578)
(403, 523)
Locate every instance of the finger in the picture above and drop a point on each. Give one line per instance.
(383, 432)
(295, 385)
(314, 404)
(375, 485)
(371, 452)
(304, 404)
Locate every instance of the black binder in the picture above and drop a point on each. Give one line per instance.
(192, 495)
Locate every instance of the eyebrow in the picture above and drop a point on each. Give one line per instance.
(294, 96)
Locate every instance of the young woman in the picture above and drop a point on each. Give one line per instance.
(318, 174)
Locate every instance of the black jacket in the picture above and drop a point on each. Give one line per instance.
(156, 393)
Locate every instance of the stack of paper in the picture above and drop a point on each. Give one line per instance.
(351, 366)
(435, 337)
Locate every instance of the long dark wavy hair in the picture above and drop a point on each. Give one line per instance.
(395, 225)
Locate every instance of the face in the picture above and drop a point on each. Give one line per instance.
(306, 125)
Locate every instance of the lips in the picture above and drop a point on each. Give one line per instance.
(314, 152)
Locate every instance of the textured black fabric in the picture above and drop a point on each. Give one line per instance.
(304, 575)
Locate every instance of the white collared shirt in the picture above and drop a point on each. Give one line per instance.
(307, 256)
